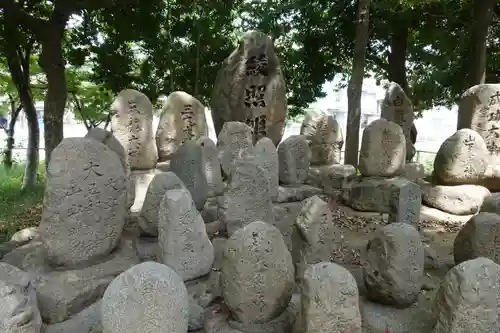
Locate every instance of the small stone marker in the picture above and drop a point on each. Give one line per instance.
(211, 166)
(182, 236)
(182, 119)
(233, 140)
(294, 160)
(394, 268)
(468, 298)
(265, 151)
(330, 300)
(383, 150)
(149, 297)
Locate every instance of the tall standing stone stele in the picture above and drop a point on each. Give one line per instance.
(132, 125)
(250, 88)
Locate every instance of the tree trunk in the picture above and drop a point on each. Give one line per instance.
(397, 57)
(355, 86)
(32, 154)
(474, 59)
(53, 65)
(10, 131)
(197, 69)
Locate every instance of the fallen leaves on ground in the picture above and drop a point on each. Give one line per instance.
(30, 217)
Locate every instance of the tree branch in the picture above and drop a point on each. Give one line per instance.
(15, 9)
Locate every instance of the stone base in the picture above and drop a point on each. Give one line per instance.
(331, 177)
(218, 320)
(294, 193)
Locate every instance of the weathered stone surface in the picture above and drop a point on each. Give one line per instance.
(148, 297)
(296, 193)
(210, 212)
(19, 310)
(313, 238)
(30, 257)
(479, 237)
(26, 235)
(196, 313)
(85, 202)
(62, 294)
(147, 248)
(325, 137)
(397, 107)
(331, 177)
(182, 236)
(468, 298)
(397, 195)
(233, 141)
(250, 88)
(87, 320)
(141, 180)
(267, 155)
(256, 295)
(161, 183)
(394, 267)
(218, 320)
(414, 171)
(182, 118)
(461, 159)
(188, 164)
(457, 200)
(377, 318)
(247, 198)
(383, 149)
(491, 204)
(329, 301)
(211, 166)
(132, 125)
(294, 160)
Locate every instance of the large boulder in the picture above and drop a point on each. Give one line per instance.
(461, 159)
(132, 125)
(250, 88)
(182, 118)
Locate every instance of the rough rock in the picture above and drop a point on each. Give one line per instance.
(325, 137)
(468, 298)
(479, 237)
(414, 171)
(250, 87)
(182, 118)
(397, 196)
(299, 193)
(233, 140)
(85, 202)
(30, 257)
(457, 199)
(149, 297)
(211, 167)
(141, 180)
(256, 295)
(331, 177)
(294, 160)
(329, 301)
(161, 183)
(461, 159)
(19, 310)
(87, 320)
(313, 238)
(394, 269)
(182, 237)
(62, 294)
(247, 198)
(491, 204)
(147, 248)
(132, 125)
(383, 149)
(188, 164)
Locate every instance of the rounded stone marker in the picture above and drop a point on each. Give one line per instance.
(257, 274)
(149, 297)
